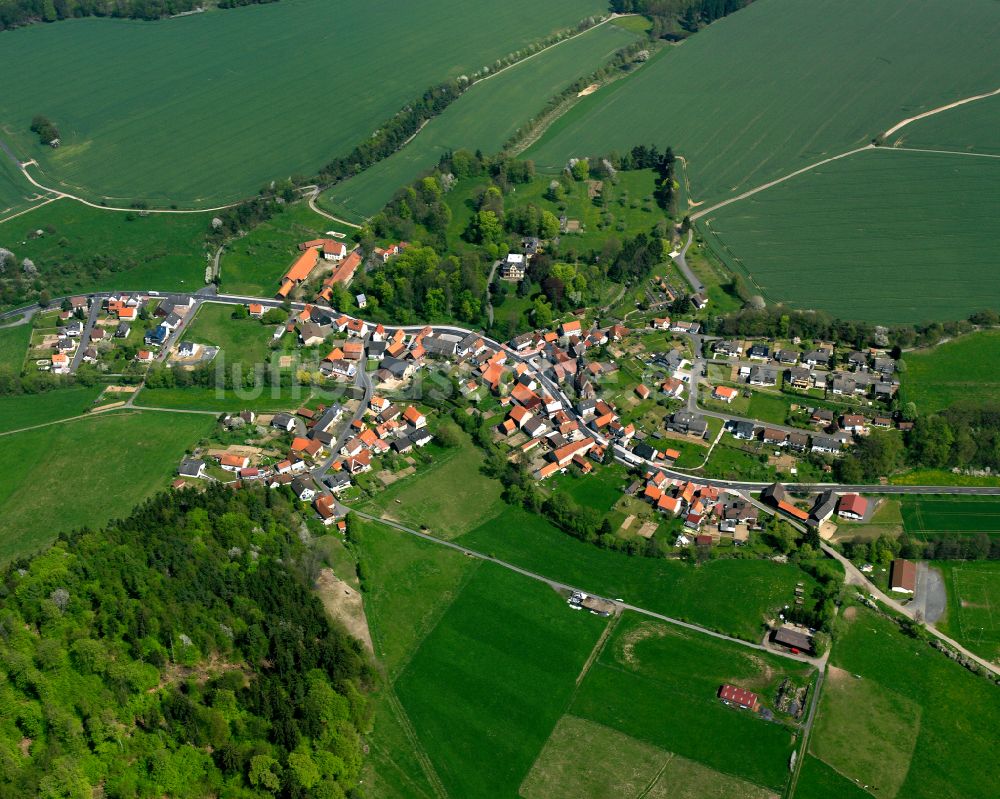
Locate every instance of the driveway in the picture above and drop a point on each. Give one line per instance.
(931, 597)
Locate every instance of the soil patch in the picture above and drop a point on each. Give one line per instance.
(344, 604)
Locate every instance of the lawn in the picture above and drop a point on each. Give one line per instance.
(937, 515)
(818, 781)
(254, 264)
(961, 371)
(86, 472)
(699, 594)
(14, 345)
(973, 605)
(243, 341)
(243, 96)
(25, 410)
(489, 682)
(659, 683)
(85, 249)
(483, 118)
(956, 715)
(970, 128)
(627, 768)
(843, 73)
(451, 495)
(600, 489)
(869, 220)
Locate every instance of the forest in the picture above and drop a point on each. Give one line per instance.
(179, 652)
(15, 13)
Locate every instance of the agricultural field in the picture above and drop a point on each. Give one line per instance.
(483, 118)
(959, 371)
(16, 193)
(818, 781)
(86, 472)
(699, 594)
(846, 75)
(973, 605)
(868, 221)
(254, 264)
(656, 683)
(84, 249)
(260, 399)
(300, 93)
(241, 341)
(970, 128)
(24, 410)
(932, 516)
(926, 726)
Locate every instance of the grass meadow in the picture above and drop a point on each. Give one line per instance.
(818, 781)
(699, 594)
(196, 398)
(24, 410)
(483, 118)
(490, 681)
(86, 472)
(14, 345)
(931, 516)
(963, 370)
(973, 605)
(243, 96)
(243, 341)
(659, 683)
(936, 723)
(15, 192)
(845, 237)
(842, 74)
(158, 251)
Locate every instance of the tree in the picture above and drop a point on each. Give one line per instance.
(542, 312)
(264, 773)
(580, 170)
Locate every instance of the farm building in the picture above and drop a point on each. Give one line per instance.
(852, 506)
(903, 577)
(732, 695)
(793, 639)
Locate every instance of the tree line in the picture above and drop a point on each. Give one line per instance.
(676, 19)
(179, 652)
(15, 13)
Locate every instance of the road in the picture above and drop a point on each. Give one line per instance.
(363, 381)
(696, 285)
(556, 585)
(88, 328)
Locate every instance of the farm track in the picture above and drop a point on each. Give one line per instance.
(894, 129)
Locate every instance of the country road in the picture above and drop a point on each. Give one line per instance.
(696, 285)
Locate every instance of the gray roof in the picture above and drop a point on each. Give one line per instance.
(190, 467)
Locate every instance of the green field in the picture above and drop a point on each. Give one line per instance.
(243, 96)
(936, 723)
(243, 341)
(934, 516)
(196, 398)
(14, 345)
(489, 682)
(110, 252)
(450, 496)
(25, 410)
(659, 683)
(702, 595)
(959, 371)
(818, 781)
(973, 605)
(867, 222)
(16, 193)
(969, 128)
(86, 472)
(483, 118)
(254, 264)
(842, 73)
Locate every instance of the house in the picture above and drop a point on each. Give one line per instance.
(513, 267)
(191, 467)
(843, 385)
(798, 378)
(256, 310)
(662, 323)
(123, 329)
(188, 349)
(642, 391)
(361, 300)
(822, 416)
(798, 441)
(283, 421)
(816, 358)
(325, 506)
(564, 454)
(725, 394)
(763, 376)
(853, 423)
(337, 482)
(309, 447)
(414, 417)
(304, 488)
(745, 431)
(786, 357)
(903, 576)
(728, 348)
(234, 463)
(852, 506)
(699, 301)
(144, 356)
(823, 508)
(731, 695)
(673, 387)
(857, 361)
(567, 329)
(73, 329)
(299, 272)
(775, 437)
(759, 352)
(688, 423)
(827, 445)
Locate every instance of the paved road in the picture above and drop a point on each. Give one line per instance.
(697, 286)
(361, 380)
(560, 586)
(95, 309)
